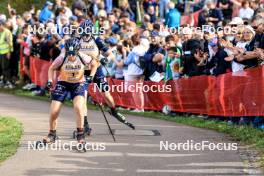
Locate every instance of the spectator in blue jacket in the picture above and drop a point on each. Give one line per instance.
(173, 17)
(46, 13)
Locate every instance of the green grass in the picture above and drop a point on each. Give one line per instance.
(245, 134)
(10, 133)
(24, 5)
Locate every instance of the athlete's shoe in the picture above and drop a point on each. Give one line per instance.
(51, 138)
(80, 137)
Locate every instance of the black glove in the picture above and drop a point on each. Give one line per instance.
(49, 85)
(104, 61)
(89, 79)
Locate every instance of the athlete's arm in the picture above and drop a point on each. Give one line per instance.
(54, 66)
(94, 65)
(106, 51)
(90, 61)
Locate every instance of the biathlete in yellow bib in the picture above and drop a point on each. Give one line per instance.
(71, 65)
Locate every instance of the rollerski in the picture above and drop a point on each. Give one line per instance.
(87, 129)
(51, 138)
(121, 118)
(80, 136)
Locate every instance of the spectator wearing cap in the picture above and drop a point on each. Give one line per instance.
(246, 12)
(3, 17)
(46, 13)
(243, 55)
(238, 23)
(74, 21)
(153, 57)
(173, 17)
(112, 43)
(6, 47)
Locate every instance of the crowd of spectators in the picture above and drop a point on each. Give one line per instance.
(153, 40)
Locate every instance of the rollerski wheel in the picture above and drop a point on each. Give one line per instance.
(74, 134)
(40, 144)
(80, 147)
(80, 136)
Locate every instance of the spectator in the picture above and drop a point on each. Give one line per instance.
(194, 58)
(163, 9)
(134, 72)
(113, 23)
(6, 47)
(147, 3)
(27, 16)
(46, 13)
(215, 16)
(246, 12)
(173, 64)
(109, 5)
(153, 57)
(118, 68)
(255, 5)
(125, 8)
(78, 4)
(173, 17)
(152, 14)
(146, 23)
(67, 10)
(226, 7)
(217, 65)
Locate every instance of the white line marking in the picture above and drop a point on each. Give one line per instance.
(159, 155)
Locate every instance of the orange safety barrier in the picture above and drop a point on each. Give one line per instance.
(39, 71)
(230, 94)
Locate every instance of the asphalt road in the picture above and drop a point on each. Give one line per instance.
(135, 152)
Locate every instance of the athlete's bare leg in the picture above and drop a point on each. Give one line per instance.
(78, 103)
(55, 108)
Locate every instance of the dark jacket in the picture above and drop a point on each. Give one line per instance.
(151, 66)
(217, 65)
